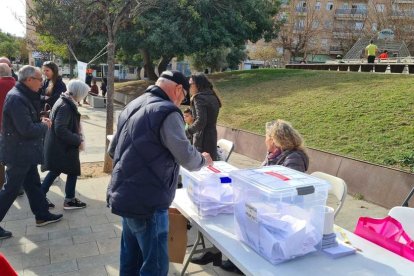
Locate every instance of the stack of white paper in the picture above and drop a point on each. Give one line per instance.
(339, 251)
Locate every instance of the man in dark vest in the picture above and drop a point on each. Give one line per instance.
(147, 150)
(21, 147)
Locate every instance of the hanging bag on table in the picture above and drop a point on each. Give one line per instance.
(387, 233)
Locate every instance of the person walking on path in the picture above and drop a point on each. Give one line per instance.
(21, 147)
(53, 86)
(103, 86)
(148, 147)
(7, 82)
(63, 142)
(205, 106)
(371, 51)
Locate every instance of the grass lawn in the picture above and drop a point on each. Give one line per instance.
(362, 115)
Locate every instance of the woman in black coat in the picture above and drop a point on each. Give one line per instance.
(63, 142)
(53, 86)
(205, 105)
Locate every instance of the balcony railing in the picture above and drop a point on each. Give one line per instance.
(403, 1)
(335, 48)
(301, 9)
(408, 13)
(351, 12)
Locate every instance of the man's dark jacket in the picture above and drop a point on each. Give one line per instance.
(145, 173)
(62, 140)
(21, 141)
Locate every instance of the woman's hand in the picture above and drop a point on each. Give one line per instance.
(82, 146)
(207, 157)
(46, 121)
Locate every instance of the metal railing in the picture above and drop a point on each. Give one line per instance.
(351, 12)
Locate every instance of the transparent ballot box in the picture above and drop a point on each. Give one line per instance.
(210, 189)
(279, 212)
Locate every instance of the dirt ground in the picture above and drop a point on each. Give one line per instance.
(92, 169)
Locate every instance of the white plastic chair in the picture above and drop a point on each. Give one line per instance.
(405, 215)
(338, 188)
(225, 148)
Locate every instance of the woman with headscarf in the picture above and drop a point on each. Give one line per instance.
(63, 142)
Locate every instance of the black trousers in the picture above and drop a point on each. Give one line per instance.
(28, 177)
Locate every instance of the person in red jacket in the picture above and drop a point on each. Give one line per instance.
(383, 55)
(7, 82)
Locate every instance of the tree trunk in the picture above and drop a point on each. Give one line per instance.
(148, 67)
(162, 65)
(109, 100)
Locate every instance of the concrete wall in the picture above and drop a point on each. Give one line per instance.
(380, 185)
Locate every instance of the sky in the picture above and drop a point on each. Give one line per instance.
(9, 10)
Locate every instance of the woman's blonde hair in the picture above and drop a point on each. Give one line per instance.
(284, 135)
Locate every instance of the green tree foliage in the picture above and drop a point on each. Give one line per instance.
(49, 44)
(185, 27)
(66, 23)
(218, 59)
(9, 46)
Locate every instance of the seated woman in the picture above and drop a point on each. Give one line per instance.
(285, 147)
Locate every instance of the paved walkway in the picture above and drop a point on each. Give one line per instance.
(86, 242)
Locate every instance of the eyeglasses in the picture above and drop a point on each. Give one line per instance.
(185, 93)
(39, 79)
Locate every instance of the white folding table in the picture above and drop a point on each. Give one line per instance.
(373, 260)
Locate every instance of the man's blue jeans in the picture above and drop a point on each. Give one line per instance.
(144, 245)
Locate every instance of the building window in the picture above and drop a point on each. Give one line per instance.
(329, 6)
(328, 24)
(380, 7)
(374, 27)
(324, 42)
(300, 25)
(359, 26)
(318, 6)
(315, 24)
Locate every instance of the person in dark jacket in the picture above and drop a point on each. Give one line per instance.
(103, 86)
(53, 86)
(147, 149)
(63, 142)
(284, 147)
(205, 105)
(21, 147)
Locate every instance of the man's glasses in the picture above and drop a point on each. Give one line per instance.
(185, 93)
(39, 79)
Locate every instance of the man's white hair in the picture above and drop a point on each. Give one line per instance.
(28, 71)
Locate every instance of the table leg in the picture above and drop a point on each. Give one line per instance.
(194, 250)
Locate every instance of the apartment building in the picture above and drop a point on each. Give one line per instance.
(323, 29)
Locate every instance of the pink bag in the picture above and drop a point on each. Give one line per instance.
(387, 233)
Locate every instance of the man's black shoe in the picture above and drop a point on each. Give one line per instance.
(208, 257)
(51, 218)
(21, 193)
(4, 234)
(229, 266)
